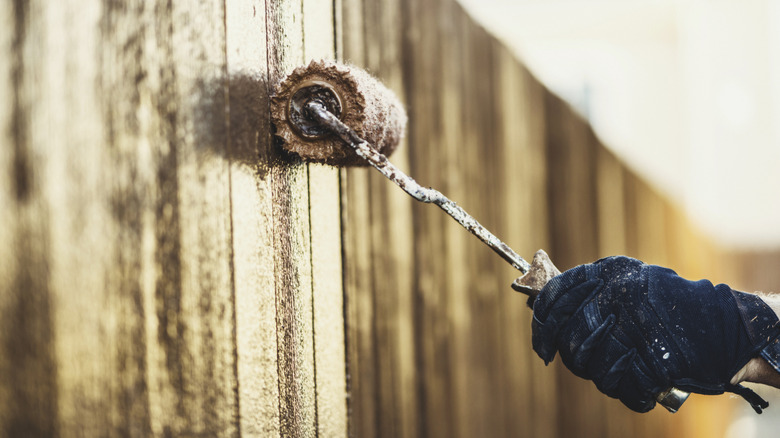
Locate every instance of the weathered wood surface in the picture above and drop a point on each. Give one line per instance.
(163, 274)
(168, 271)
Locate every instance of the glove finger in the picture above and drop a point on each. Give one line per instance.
(556, 288)
(608, 384)
(545, 332)
(586, 349)
(637, 390)
(567, 304)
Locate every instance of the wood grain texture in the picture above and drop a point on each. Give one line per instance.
(325, 224)
(392, 263)
(251, 155)
(292, 243)
(141, 146)
(361, 361)
(521, 135)
(424, 95)
(133, 213)
(572, 194)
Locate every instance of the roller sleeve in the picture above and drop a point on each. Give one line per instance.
(354, 96)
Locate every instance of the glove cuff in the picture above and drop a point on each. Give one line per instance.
(762, 327)
(760, 321)
(771, 352)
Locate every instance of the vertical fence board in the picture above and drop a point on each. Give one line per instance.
(475, 156)
(359, 283)
(251, 152)
(522, 225)
(8, 214)
(129, 269)
(30, 403)
(573, 218)
(205, 302)
(292, 244)
(392, 241)
(455, 135)
(543, 390)
(433, 331)
(327, 287)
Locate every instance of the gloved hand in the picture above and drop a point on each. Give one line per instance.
(636, 330)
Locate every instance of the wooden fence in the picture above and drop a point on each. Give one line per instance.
(167, 271)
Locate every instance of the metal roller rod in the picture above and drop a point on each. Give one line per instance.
(317, 111)
(671, 399)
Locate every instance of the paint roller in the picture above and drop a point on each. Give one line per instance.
(340, 115)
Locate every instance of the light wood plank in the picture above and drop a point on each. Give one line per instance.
(203, 377)
(392, 259)
(362, 364)
(519, 226)
(97, 256)
(572, 190)
(292, 242)
(325, 223)
(8, 219)
(252, 219)
(424, 90)
(394, 264)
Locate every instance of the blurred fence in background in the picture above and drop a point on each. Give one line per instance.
(437, 345)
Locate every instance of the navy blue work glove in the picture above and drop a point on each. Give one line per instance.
(636, 330)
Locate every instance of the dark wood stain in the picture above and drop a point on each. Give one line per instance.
(29, 371)
(21, 171)
(127, 205)
(28, 337)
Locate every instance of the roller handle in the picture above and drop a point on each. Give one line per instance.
(535, 275)
(364, 150)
